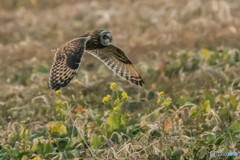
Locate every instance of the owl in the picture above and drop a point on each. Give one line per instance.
(99, 44)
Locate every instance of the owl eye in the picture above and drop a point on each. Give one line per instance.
(105, 37)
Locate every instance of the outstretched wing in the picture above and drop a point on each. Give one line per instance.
(116, 60)
(66, 62)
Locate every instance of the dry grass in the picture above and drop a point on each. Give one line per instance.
(163, 38)
(31, 28)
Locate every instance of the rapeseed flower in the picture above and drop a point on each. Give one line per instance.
(124, 95)
(58, 108)
(23, 121)
(58, 102)
(115, 108)
(105, 99)
(113, 85)
(37, 158)
(58, 91)
(160, 93)
(167, 101)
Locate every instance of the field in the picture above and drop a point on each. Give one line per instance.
(188, 55)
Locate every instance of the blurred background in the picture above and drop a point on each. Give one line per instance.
(159, 35)
(31, 28)
(186, 48)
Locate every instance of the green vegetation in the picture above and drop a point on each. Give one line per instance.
(125, 122)
(186, 51)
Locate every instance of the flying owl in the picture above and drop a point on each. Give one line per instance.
(99, 44)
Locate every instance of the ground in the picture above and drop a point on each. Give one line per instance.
(186, 51)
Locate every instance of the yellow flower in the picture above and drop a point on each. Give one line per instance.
(105, 99)
(58, 101)
(164, 103)
(158, 101)
(117, 101)
(206, 54)
(113, 85)
(58, 108)
(58, 91)
(23, 121)
(167, 101)
(37, 158)
(160, 93)
(57, 127)
(124, 95)
(62, 129)
(115, 108)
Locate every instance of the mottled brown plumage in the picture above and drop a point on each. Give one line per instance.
(97, 43)
(116, 60)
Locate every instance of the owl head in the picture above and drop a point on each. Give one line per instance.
(105, 37)
(99, 39)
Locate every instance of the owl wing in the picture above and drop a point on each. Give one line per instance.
(116, 60)
(66, 62)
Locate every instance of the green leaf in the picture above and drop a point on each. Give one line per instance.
(96, 141)
(24, 133)
(235, 126)
(48, 148)
(22, 154)
(233, 101)
(116, 138)
(73, 143)
(193, 111)
(205, 106)
(117, 121)
(219, 141)
(202, 153)
(210, 138)
(62, 142)
(114, 121)
(177, 154)
(40, 148)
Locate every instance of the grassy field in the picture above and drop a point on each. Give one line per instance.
(187, 52)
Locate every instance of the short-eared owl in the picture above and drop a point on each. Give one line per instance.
(97, 43)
